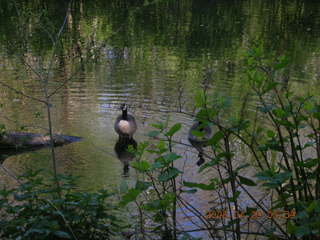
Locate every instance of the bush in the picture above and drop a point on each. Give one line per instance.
(282, 139)
(39, 210)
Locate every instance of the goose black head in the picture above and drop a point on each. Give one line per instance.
(123, 106)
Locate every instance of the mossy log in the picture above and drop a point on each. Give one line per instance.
(24, 141)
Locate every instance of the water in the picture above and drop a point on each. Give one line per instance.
(153, 56)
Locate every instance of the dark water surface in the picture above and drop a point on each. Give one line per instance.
(152, 55)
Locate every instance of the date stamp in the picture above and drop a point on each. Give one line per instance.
(253, 215)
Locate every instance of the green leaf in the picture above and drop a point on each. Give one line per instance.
(158, 125)
(235, 196)
(170, 157)
(202, 186)
(309, 163)
(226, 180)
(154, 205)
(130, 196)
(265, 175)
(159, 148)
(175, 128)
(271, 134)
(285, 123)
(162, 204)
(272, 179)
(247, 181)
(172, 172)
(280, 113)
(142, 186)
(142, 166)
(157, 165)
(216, 138)
(283, 176)
(168, 197)
(242, 167)
(153, 133)
(191, 191)
(211, 163)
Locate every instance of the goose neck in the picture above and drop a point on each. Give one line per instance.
(124, 114)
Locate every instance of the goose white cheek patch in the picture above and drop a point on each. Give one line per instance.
(124, 126)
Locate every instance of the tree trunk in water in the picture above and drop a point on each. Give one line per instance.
(19, 141)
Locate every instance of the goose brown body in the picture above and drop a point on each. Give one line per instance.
(199, 142)
(125, 124)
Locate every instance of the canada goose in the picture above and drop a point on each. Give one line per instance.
(123, 153)
(198, 142)
(125, 124)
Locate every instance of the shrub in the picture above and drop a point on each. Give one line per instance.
(282, 138)
(38, 210)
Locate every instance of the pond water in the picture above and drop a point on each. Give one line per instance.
(152, 55)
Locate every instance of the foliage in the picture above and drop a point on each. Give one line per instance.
(292, 132)
(283, 137)
(158, 181)
(38, 210)
(284, 141)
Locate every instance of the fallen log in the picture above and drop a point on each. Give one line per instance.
(23, 141)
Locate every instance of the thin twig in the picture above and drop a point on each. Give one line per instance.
(22, 93)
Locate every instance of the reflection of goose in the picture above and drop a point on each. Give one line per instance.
(125, 124)
(200, 140)
(123, 153)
